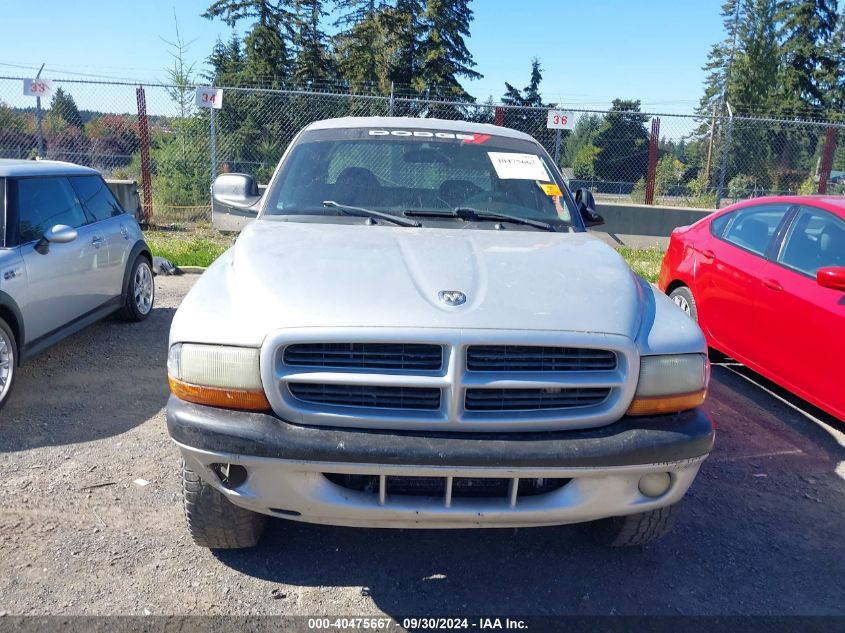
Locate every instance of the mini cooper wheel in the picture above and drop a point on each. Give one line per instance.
(682, 297)
(8, 360)
(140, 293)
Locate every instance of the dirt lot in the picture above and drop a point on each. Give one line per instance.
(761, 533)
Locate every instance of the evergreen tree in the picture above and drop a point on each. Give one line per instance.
(834, 72)
(754, 76)
(268, 43)
(313, 63)
(403, 24)
(445, 56)
(530, 95)
(622, 143)
(63, 108)
(806, 27)
(719, 61)
(529, 116)
(360, 43)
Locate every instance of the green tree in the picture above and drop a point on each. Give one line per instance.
(446, 57)
(181, 74)
(581, 135)
(529, 116)
(63, 109)
(268, 43)
(360, 43)
(806, 27)
(403, 24)
(719, 61)
(314, 63)
(622, 142)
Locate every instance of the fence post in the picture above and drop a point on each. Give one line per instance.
(725, 152)
(651, 173)
(830, 139)
(558, 135)
(39, 116)
(499, 116)
(391, 102)
(213, 141)
(710, 147)
(144, 138)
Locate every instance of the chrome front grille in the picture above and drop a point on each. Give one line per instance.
(537, 358)
(414, 398)
(385, 356)
(508, 489)
(533, 399)
(449, 380)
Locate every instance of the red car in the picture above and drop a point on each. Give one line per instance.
(765, 279)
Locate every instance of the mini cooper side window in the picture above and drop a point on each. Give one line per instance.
(752, 228)
(96, 196)
(43, 203)
(816, 240)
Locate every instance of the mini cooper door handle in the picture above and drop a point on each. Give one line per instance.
(774, 284)
(97, 240)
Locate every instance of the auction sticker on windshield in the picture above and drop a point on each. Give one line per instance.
(510, 166)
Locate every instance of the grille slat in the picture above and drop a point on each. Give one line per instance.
(414, 398)
(391, 356)
(534, 399)
(462, 487)
(504, 358)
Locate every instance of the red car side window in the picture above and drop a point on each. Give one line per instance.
(816, 239)
(752, 228)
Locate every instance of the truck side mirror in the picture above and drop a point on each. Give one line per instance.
(236, 191)
(586, 204)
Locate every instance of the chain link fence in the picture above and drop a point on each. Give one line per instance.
(627, 156)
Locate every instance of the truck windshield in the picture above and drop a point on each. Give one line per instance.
(396, 171)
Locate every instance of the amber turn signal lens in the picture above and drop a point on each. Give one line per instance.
(243, 399)
(666, 404)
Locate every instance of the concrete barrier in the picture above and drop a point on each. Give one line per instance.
(126, 192)
(640, 225)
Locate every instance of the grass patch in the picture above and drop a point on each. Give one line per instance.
(644, 261)
(183, 248)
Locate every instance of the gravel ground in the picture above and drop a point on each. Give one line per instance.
(761, 532)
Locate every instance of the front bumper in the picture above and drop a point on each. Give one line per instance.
(286, 466)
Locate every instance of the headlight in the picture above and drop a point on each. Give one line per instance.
(670, 383)
(216, 375)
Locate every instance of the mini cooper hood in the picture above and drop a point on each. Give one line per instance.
(287, 274)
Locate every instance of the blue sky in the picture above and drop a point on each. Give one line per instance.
(591, 51)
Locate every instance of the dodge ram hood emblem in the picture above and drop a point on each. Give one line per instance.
(452, 297)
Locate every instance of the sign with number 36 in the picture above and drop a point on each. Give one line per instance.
(560, 120)
(209, 97)
(37, 87)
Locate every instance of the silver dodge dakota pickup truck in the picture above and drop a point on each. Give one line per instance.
(417, 331)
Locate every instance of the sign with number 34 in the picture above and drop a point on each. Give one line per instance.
(209, 97)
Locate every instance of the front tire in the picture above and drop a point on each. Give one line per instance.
(635, 529)
(140, 291)
(213, 521)
(682, 297)
(8, 361)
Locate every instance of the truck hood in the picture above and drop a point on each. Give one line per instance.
(288, 274)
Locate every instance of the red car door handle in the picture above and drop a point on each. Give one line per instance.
(774, 284)
(709, 254)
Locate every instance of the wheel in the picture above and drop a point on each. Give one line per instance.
(682, 296)
(140, 294)
(634, 529)
(8, 361)
(213, 521)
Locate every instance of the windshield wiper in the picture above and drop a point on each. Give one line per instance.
(468, 213)
(360, 211)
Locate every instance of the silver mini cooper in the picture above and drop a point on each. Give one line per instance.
(69, 256)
